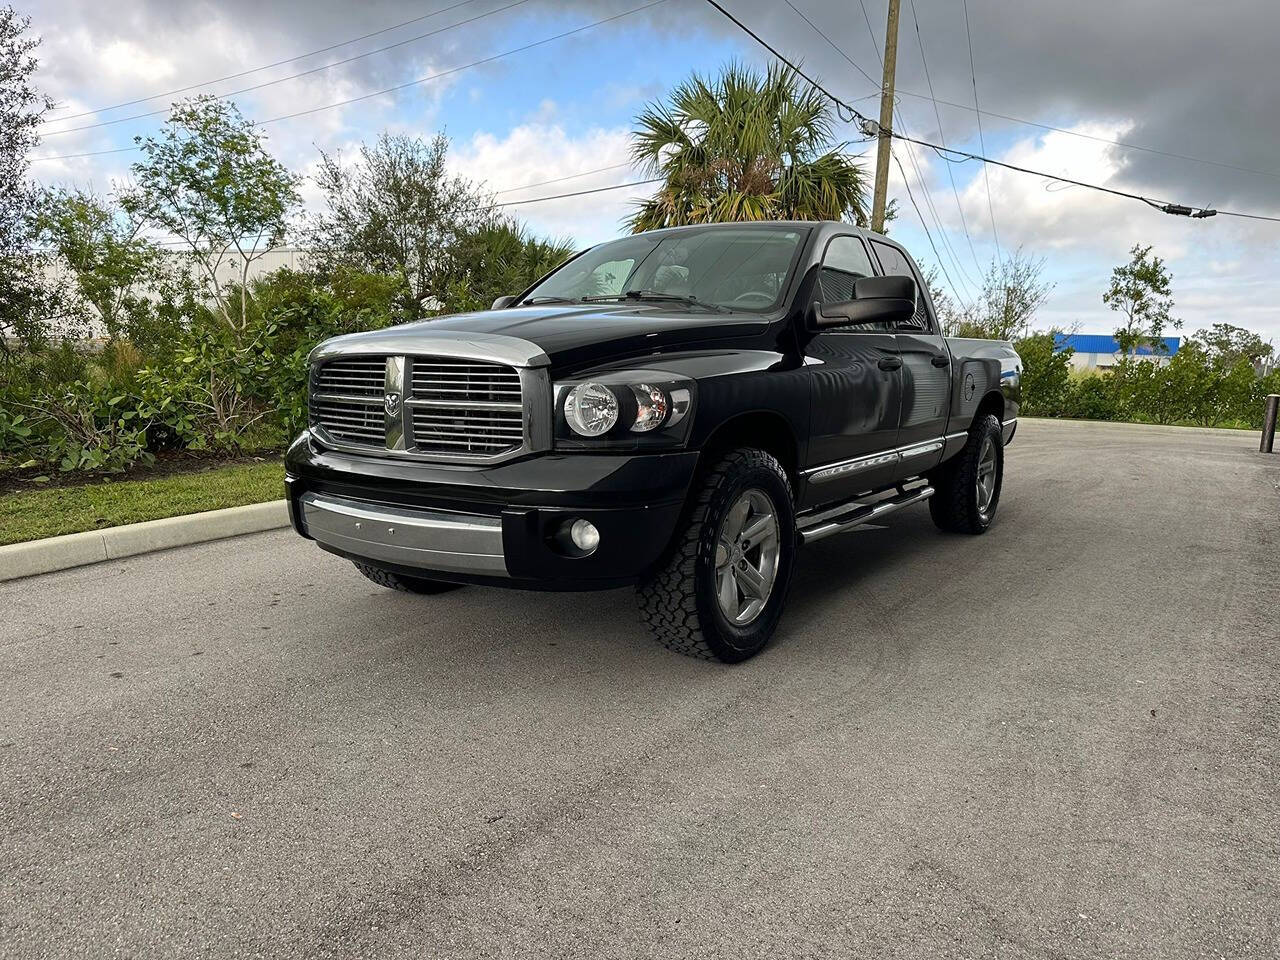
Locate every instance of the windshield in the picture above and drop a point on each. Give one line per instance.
(735, 268)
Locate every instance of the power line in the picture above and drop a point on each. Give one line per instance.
(870, 79)
(941, 138)
(986, 180)
(942, 266)
(965, 279)
(397, 87)
(839, 104)
(818, 30)
(869, 126)
(509, 203)
(295, 76)
(265, 66)
(1176, 209)
(1247, 216)
(577, 193)
(572, 176)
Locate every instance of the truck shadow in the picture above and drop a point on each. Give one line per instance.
(845, 593)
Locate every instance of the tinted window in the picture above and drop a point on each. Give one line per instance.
(742, 268)
(895, 264)
(845, 261)
(609, 277)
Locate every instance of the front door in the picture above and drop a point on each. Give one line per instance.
(926, 367)
(856, 386)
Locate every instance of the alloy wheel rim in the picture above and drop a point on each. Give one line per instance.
(986, 476)
(747, 549)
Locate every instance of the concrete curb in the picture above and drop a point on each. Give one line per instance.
(78, 549)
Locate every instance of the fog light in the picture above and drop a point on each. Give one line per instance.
(584, 535)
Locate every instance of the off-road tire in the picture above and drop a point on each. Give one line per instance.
(678, 600)
(396, 581)
(954, 506)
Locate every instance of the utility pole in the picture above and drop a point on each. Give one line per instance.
(886, 119)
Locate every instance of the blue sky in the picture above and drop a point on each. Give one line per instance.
(566, 107)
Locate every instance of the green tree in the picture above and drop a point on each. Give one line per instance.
(1222, 374)
(26, 301)
(1226, 344)
(1141, 292)
(1013, 290)
(745, 146)
(1046, 374)
(501, 259)
(397, 210)
(209, 179)
(109, 261)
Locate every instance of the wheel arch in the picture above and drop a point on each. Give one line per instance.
(993, 403)
(762, 429)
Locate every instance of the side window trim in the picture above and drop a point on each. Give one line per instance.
(872, 262)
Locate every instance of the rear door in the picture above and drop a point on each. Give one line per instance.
(926, 368)
(856, 385)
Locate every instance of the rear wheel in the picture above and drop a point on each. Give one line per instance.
(968, 485)
(720, 593)
(396, 581)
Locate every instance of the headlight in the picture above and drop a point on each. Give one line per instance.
(624, 408)
(591, 409)
(651, 407)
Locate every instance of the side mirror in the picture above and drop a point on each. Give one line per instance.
(502, 303)
(890, 300)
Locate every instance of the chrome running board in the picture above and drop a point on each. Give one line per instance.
(855, 514)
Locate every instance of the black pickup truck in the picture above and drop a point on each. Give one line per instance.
(680, 410)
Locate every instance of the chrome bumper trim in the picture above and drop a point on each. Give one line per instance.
(428, 539)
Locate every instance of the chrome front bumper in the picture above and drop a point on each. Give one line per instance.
(429, 539)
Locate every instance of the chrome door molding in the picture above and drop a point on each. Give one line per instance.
(830, 471)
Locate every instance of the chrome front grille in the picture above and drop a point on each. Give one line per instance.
(432, 407)
(465, 406)
(347, 397)
(353, 376)
(468, 381)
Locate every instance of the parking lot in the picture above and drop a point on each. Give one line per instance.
(1060, 739)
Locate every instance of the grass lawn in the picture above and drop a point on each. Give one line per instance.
(33, 514)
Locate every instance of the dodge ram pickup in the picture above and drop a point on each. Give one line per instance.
(681, 410)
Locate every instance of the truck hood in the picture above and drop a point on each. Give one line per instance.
(564, 336)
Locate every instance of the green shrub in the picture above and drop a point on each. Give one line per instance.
(1046, 375)
(1091, 397)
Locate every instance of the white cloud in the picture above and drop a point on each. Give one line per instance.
(537, 151)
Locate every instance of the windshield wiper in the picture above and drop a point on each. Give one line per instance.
(656, 297)
(536, 300)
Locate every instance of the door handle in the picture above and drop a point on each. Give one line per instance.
(889, 363)
(941, 360)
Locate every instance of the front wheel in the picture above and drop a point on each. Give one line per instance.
(968, 485)
(720, 593)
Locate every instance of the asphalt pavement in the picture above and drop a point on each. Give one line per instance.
(1061, 739)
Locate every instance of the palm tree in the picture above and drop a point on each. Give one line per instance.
(744, 146)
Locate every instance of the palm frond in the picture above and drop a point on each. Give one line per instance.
(744, 145)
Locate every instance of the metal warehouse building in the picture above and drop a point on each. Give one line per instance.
(1100, 351)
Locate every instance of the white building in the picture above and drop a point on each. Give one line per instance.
(1100, 351)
